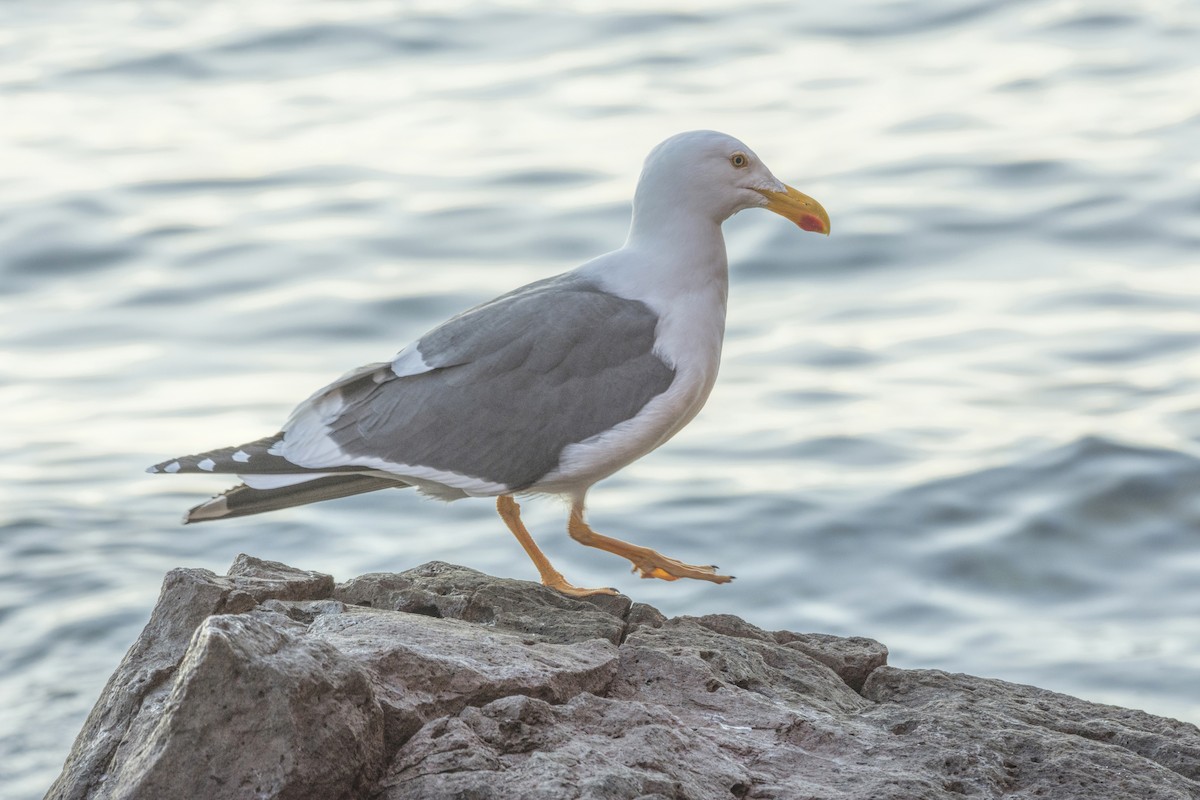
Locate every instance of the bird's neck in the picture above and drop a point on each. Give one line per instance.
(659, 223)
(680, 271)
(687, 252)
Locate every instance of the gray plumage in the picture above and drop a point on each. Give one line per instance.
(251, 458)
(509, 385)
(242, 500)
(546, 389)
(516, 380)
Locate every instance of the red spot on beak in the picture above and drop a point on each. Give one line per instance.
(811, 222)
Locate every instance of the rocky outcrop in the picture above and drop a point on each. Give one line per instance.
(442, 682)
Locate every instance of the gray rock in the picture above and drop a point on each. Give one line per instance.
(256, 709)
(143, 679)
(442, 682)
(1006, 736)
(444, 590)
(521, 747)
(853, 658)
(703, 676)
(424, 668)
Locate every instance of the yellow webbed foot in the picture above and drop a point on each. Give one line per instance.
(646, 562)
(510, 512)
(656, 565)
(576, 591)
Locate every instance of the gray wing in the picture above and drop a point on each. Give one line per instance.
(508, 385)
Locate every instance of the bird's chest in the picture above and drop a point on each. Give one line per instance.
(689, 340)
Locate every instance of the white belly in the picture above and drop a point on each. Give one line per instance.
(688, 338)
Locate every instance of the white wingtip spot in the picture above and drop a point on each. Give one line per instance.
(172, 467)
(208, 465)
(241, 456)
(152, 470)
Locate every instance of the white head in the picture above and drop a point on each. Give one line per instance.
(714, 176)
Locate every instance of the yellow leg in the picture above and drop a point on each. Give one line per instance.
(510, 512)
(646, 562)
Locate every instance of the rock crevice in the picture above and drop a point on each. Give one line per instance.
(442, 682)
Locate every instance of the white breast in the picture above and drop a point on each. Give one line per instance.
(690, 301)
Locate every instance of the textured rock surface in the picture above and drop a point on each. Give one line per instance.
(442, 682)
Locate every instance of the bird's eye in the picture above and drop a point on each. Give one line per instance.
(739, 160)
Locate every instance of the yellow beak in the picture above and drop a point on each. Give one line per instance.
(799, 208)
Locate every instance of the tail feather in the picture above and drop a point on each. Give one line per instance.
(242, 500)
(254, 458)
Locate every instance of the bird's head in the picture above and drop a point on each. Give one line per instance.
(716, 175)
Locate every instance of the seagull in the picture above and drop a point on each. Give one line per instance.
(544, 390)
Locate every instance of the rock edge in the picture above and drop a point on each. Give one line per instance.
(443, 682)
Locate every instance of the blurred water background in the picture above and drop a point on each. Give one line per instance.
(967, 424)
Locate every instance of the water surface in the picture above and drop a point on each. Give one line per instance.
(966, 424)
